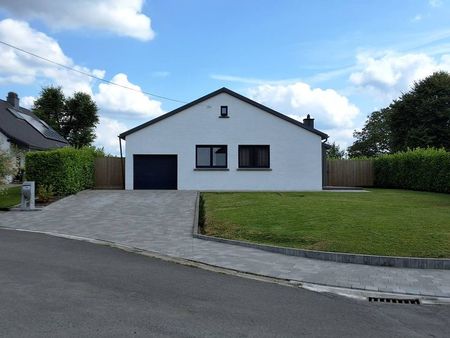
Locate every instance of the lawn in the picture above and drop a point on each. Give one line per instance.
(378, 222)
(10, 197)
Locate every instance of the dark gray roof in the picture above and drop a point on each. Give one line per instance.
(234, 94)
(25, 129)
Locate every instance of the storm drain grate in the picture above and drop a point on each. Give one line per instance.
(394, 300)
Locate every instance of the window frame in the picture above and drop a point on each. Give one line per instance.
(252, 154)
(211, 147)
(226, 112)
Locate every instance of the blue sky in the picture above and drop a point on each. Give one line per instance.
(337, 60)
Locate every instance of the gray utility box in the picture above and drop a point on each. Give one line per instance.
(27, 196)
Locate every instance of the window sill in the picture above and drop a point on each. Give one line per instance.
(211, 169)
(254, 169)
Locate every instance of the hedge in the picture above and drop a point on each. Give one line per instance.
(418, 169)
(67, 170)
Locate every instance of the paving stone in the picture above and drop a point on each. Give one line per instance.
(162, 221)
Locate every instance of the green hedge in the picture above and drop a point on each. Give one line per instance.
(67, 170)
(418, 169)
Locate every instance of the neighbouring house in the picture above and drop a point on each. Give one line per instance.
(22, 131)
(224, 141)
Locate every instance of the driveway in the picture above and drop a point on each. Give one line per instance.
(161, 221)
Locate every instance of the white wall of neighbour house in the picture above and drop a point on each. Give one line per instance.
(295, 153)
(4, 143)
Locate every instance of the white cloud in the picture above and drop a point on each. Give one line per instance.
(342, 136)
(435, 3)
(20, 68)
(387, 75)
(107, 132)
(27, 101)
(328, 107)
(417, 18)
(122, 17)
(126, 102)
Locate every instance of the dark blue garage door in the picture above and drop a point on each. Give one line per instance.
(155, 171)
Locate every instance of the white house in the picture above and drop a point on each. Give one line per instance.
(224, 141)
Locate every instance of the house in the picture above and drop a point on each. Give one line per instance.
(21, 130)
(224, 141)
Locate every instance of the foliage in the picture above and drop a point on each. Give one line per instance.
(374, 138)
(418, 118)
(50, 106)
(418, 169)
(421, 117)
(73, 117)
(80, 120)
(201, 213)
(378, 222)
(7, 165)
(68, 170)
(335, 152)
(45, 193)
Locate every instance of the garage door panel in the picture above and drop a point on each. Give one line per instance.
(155, 171)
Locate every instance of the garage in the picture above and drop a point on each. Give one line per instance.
(155, 171)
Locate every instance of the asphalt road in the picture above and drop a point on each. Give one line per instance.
(54, 287)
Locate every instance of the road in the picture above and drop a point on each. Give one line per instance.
(54, 287)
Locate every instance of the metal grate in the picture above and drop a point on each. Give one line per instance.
(394, 300)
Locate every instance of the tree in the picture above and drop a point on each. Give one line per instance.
(50, 107)
(74, 117)
(421, 117)
(335, 152)
(80, 120)
(375, 137)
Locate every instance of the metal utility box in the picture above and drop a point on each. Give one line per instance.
(27, 196)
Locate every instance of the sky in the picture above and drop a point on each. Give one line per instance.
(336, 60)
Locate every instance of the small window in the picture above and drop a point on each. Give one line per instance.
(211, 156)
(254, 156)
(224, 111)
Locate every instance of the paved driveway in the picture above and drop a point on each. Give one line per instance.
(161, 221)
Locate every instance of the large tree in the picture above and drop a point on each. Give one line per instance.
(73, 117)
(50, 106)
(375, 137)
(418, 118)
(421, 117)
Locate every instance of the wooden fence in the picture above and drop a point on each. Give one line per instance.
(109, 173)
(350, 173)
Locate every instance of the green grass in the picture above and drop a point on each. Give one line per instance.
(10, 197)
(379, 222)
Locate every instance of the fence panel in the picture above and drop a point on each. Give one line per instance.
(350, 173)
(109, 173)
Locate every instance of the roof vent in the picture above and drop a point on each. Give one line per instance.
(13, 99)
(308, 122)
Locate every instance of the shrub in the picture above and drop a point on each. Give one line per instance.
(418, 169)
(45, 193)
(67, 170)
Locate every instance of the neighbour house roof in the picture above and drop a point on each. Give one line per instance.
(25, 129)
(234, 94)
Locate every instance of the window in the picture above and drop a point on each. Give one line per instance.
(223, 111)
(254, 156)
(211, 156)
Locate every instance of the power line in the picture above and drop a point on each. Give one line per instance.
(88, 74)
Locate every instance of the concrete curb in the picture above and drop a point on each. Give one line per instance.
(360, 294)
(339, 257)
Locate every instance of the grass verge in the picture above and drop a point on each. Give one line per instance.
(10, 197)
